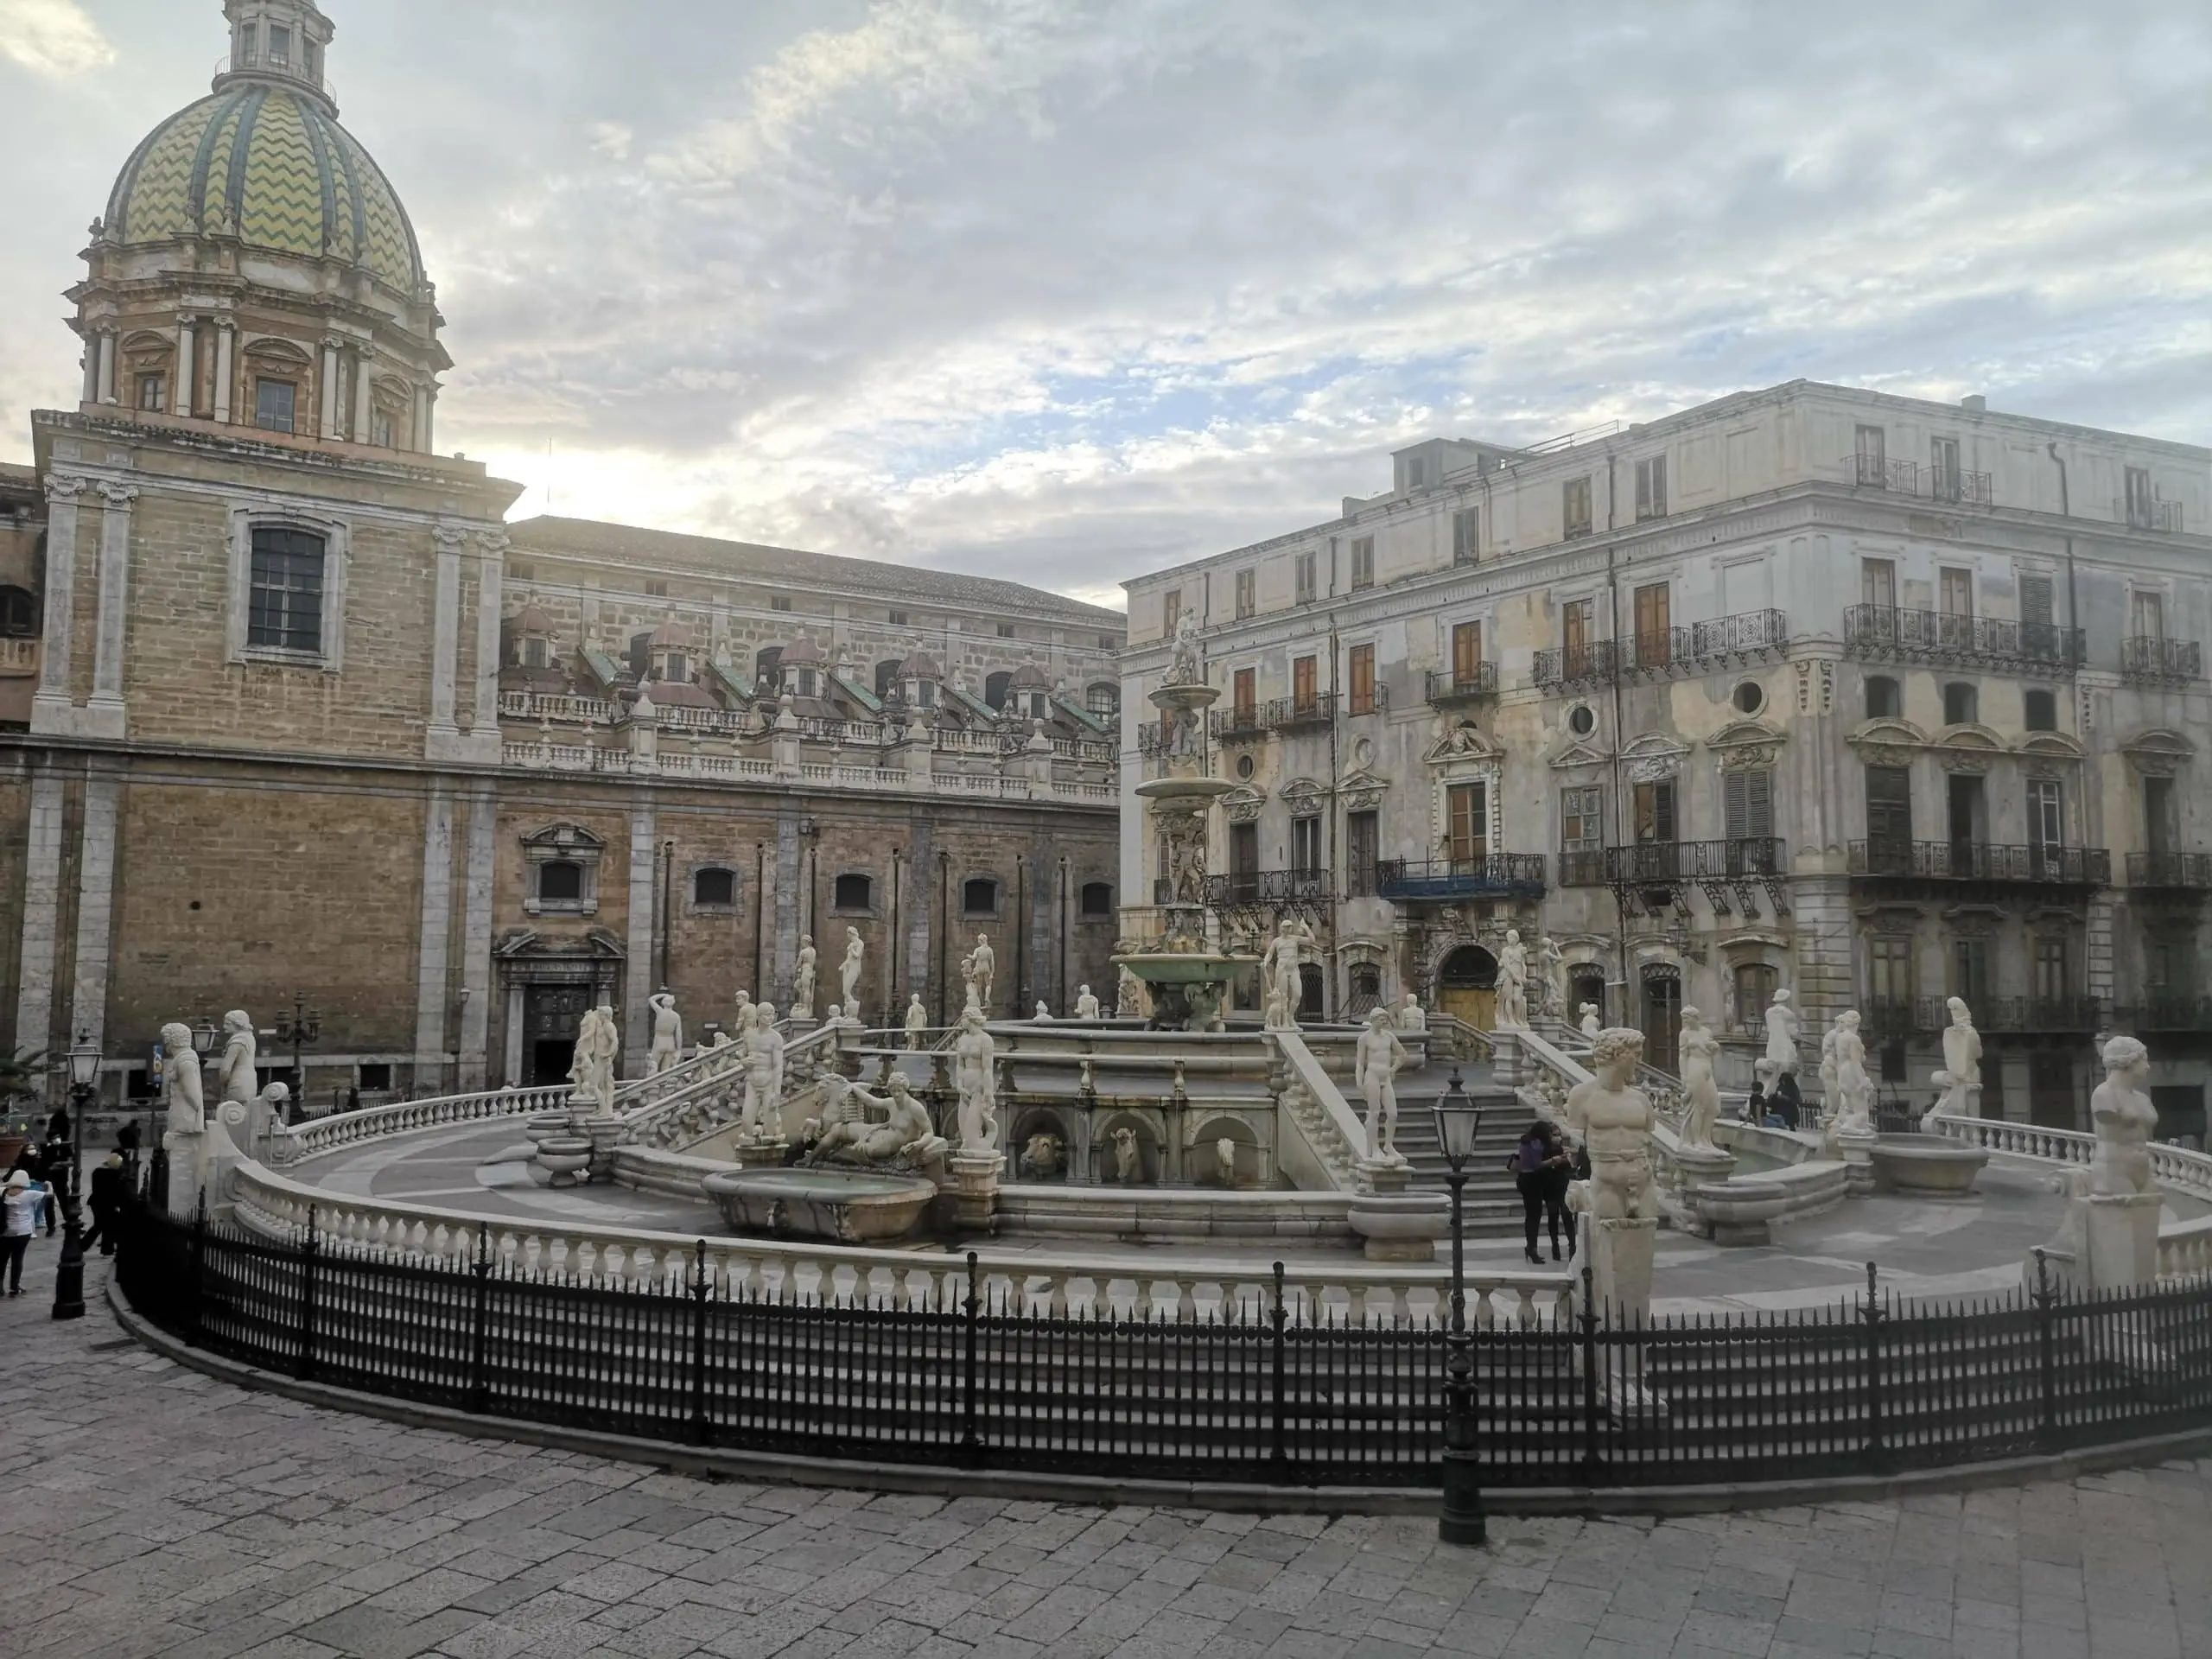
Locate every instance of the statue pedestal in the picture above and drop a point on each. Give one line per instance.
(1508, 1065)
(565, 1156)
(801, 1024)
(1620, 1279)
(603, 1133)
(1395, 1224)
(1856, 1146)
(2122, 1233)
(183, 1148)
(976, 1189)
(761, 1154)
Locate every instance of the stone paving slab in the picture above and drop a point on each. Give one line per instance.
(154, 1511)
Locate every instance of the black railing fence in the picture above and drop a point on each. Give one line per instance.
(1883, 631)
(1255, 1392)
(1975, 860)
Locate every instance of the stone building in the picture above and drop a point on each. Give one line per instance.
(299, 715)
(1874, 699)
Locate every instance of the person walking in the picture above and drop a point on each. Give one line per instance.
(19, 1207)
(108, 1186)
(1539, 1166)
(36, 1165)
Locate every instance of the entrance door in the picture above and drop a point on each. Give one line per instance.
(551, 1014)
(2050, 1092)
(1662, 1022)
(1467, 988)
(1586, 985)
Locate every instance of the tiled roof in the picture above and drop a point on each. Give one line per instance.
(948, 589)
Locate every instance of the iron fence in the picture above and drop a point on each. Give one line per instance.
(1253, 1391)
(1892, 631)
(2170, 870)
(2037, 862)
(1275, 714)
(1494, 874)
(1450, 685)
(1245, 889)
(1926, 1016)
(2145, 512)
(2149, 657)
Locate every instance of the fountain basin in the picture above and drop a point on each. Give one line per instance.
(1181, 789)
(1927, 1165)
(850, 1206)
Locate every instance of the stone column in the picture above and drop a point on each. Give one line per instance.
(226, 340)
(51, 705)
(91, 390)
(188, 362)
(433, 944)
(329, 427)
(638, 981)
(476, 934)
(95, 905)
(491, 568)
(445, 642)
(106, 707)
(42, 915)
(364, 401)
(107, 365)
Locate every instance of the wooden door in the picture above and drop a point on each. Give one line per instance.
(551, 1014)
(1662, 1023)
(1478, 1008)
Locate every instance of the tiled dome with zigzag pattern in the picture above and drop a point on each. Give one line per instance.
(270, 166)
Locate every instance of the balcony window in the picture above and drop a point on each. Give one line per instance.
(1466, 652)
(1575, 506)
(1655, 811)
(2046, 815)
(1245, 697)
(1363, 840)
(1306, 568)
(1943, 469)
(1467, 822)
(1889, 966)
(1747, 803)
(1970, 971)
(2161, 825)
(1889, 811)
(1653, 631)
(1651, 488)
(1246, 601)
(1360, 662)
(273, 403)
(1877, 583)
(1305, 846)
(1870, 448)
(1961, 704)
(1466, 535)
(1957, 592)
(2052, 983)
(2146, 615)
(1362, 562)
(1305, 693)
(2142, 499)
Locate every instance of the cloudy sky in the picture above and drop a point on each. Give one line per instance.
(1068, 290)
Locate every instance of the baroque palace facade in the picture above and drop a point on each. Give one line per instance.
(1871, 699)
(288, 715)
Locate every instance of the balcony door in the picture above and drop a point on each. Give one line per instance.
(1970, 974)
(1662, 1019)
(1245, 697)
(1304, 695)
(1466, 987)
(2051, 1103)
(1362, 842)
(1575, 631)
(1466, 653)
(1467, 832)
(1967, 822)
(551, 1014)
(1747, 803)
(1654, 625)
(1243, 863)
(2161, 825)
(2046, 825)
(1889, 819)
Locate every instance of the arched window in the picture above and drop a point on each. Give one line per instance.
(19, 613)
(887, 676)
(1097, 898)
(1309, 990)
(2041, 711)
(852, 892)
(560, 882)
(1366, 991)
(768, 669)
(714, 886)
(1883, 702)
(994, 689)
(1961, 704)
(979, 897)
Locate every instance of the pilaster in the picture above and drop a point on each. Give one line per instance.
(435, 944)
(95, 906)
(637, 983)
(105, 714)
(476, 934)
(445, 640)
(225, 346)
(53, 702)
(187, 365)
(42, 915)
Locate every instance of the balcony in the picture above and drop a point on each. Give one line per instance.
(1496, 875)
(1725, 641)
(1927, 1016)
(2165, 1012)
(2149, 660)
(1594, 661)
(1307, 891)
(1318, 712)
(1887, 633)
(2190, 870)
(1945, 485)
(1377, 701)
(2035, 865)
(1448, 687)
(1651, 862)
(2139, 513)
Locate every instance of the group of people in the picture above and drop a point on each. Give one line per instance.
(1542, 1166)
(30, 1196)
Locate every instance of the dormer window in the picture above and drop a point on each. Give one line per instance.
(809, 682)
(1037, 705)
(673, 666)
(538, 651)
(926, 694)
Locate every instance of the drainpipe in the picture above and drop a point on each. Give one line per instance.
(945, 927)
(667, 881)
(1021, 986)
(892, 941)
(1621, 825)
(759, 915)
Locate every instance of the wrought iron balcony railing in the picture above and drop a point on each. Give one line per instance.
(1724, 639)
(1566, 666)
(1652, 863)
(2165, 1012)
(2170, 870)
(1887, 632)
(1943, 484)
(1518, 875)
(1275, 715)
(2035, 864)
(1376, 701)
(1449, 685)
(2137, 513)
(2148, 657)
(1926, 1016)
(1269, 889)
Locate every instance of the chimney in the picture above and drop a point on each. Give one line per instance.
(1977, 404)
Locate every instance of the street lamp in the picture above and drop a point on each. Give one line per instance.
(69, 1271)
(1459, 1124)
(299, 1031)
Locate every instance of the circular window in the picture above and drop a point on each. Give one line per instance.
(1362, 752)
(1581, 720)
(1750, 698)
(1243, 765)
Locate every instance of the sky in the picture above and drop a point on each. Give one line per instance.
(1067, 290)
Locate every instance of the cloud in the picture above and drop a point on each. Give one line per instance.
(52, 37)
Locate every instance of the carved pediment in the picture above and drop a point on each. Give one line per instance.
(2159, 752)
(1242, 805)
(1967, 748)
(1581, 752)
(1462, 742)
(1751, 744)
(569, 839)
(1654, 756)
(1305, 797)
(2052, 747)
(1886, 741)
(1362, 790)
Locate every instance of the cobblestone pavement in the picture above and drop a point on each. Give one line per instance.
(151, 1511)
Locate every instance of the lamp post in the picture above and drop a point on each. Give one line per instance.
(69, 1271)
(1458, 1123)
(303, 1028)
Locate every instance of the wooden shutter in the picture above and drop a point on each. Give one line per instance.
(1747, 799)
(1301, 683)
(1466, 652)
(1877, 583)
(1468, 805)
(1362, 664)
(1246, 697)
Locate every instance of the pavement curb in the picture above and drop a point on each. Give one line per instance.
(712, 1463)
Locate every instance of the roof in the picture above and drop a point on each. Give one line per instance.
(950, 589)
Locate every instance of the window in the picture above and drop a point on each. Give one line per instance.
(1889, 961)
(1574, 506)
(2146, 614)
(2040, 711)
(537, 652)
(1970, 970)
(1755, 987)
(1304, 565)
(272, 404)
(1961, 704)
(994, 687)
(2046, 816)
(1581, 819)
(1651, 488)
(809, 682)
(979, 896)
(2141, 500)
(285, 611)
(1466, 535)
(1884, 700)
(1957, 591)
(2170, 967)
(2161, 827)
(1305, 846)
(1747, 805)
(778, 602)
(896, 619)
(1877, 584)
(1576, 620)
(1889, 810)
(1872, 447)
(852, 892)
(658, 589)
(280, 47)
(1102, 697)
(1968, 805)
(1582, 720)
(714, 886)
(1247, 598)
(375, 1077)
(1005, 630)
(768, 669)
(560, 882)
(2038, 636)
(1466, 652)
(1244, 852)
(380, 430)
(1108, 642)
(1467, 822)
(1360, 661)
(20, 617)
(1654, 633)
(151, 392)
(1944, 482)
(2052, 983)
(1655, 811)
(1362, 562)
(1171, 612)
(1096, 898)
(1749, 697)
(1304, 696)
(1244, 698)
(247, 44)
(1363, 839)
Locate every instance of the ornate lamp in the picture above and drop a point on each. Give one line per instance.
(1458, 1126)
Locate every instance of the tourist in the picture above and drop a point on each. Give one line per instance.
(36, 1165)
(19, 1207)
(107, 1191)
(1785, 1102)
(1755, 1103)
(1539, 1166)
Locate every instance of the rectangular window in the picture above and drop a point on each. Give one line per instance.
(280, 47)
(151, 392)
(1362, 562)
(2170, 967)
(1171, 612)
(1889, 959)
(1970, 971)
(1363, 839)
(1466, 535)
(284, 610)
(656, 588)
(2146, 615)
(1655, 811)
(1576, 620)
(1654, 632)
(1006, 629)
(896, 619)
(1747, 805)
(380, 432)
(1755, 986)
(1872, 447)
(1244, 849)
(1575, 506)
(1306, 566)
(1247, 599)
(1245, 696)
(2046, 819)
(1651, 488)
(1877, 584)
(1305, 846)
(2052, 983)
(2140, 498)
(1416, 472)
(2038, 631)
(1466, 652)
(1581, 820)
(1360, 663)
(273, 402)
(1957, 591)
(2160, 825)
(1944, 482)
(1467, 831)
(1304, 694)
(1889, 811)
(247, 44)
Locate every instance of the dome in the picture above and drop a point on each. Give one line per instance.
(268, 163)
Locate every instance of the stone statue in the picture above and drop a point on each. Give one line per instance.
(1125, 1156)
(2123, 1116)
(1224, 1160)
(978, 967)
(744, 1012)
(1553, 962)
(848, 972)
(975, 1067)
(1275, 1016)
(1040, 1157)
(918, 1020)
(904, 1139)
(1188, 664)
(181, 1085)
(1512, 982)
(599, 1043)
(1614, 1120)
(802, 980)
(234, 1077)
(1589, 1022)
(1412, 1018)
(1129, 995)
(1698, 1048)
(1854, 1090)
(1376, 1061)
(760, 1117)
(668, 1034)
(1042, 1017)
(1086, 1004)
(1782, 1025)
(1962, 1057)
(1278, 974)
(1827, 1057)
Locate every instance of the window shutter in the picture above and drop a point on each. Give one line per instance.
(1733, 795)
(1759, 805)
(2036, 602)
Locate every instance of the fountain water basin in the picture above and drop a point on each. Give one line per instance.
(1927, 1166)
(850, 1206)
